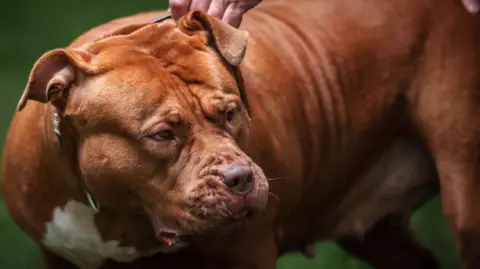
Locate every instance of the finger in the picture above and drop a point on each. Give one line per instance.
(179, 8)
(233, 15)
(200, 4)
(217, 8)
(473, 6)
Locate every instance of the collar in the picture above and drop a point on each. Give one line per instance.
(161, 18)
(56, 128)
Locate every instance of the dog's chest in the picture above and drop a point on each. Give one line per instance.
(72, 234)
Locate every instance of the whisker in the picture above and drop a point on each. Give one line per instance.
(273, 194)
(273, 178)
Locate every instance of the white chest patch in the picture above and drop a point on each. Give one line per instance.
(72, 234)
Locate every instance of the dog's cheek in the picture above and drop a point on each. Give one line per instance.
(112, 168)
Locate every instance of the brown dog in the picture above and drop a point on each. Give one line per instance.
(143, 141)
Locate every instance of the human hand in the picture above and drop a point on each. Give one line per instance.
(229, 11)
(473, 6)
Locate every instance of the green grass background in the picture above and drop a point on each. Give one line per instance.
(29, 28)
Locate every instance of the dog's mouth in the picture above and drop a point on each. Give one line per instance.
(224, 213)
(238, 222)
(209, 216)
(210, 208)
(176, 238)
(170, 239)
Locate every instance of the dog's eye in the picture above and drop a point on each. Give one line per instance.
(163, 135)
(231, 113)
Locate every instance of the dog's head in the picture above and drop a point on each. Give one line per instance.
(158, 120)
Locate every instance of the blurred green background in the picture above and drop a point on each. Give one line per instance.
(29, 28)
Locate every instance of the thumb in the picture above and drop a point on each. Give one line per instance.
(233, 15)
(178, 8)
(473, 6)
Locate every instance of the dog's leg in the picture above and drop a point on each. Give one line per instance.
(453, 136)
(446, 111)
(390, 245)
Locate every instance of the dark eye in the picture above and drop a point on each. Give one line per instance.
(163, 135)
(231, 113)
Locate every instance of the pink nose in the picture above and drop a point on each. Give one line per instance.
(238, 178)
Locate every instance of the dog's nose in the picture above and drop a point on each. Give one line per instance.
(238, 178)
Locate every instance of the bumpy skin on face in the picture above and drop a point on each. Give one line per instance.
(348, 104)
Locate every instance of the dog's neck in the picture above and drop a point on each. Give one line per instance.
(54, 141)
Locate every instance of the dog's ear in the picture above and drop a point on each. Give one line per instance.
(230, 42)
(52, 74)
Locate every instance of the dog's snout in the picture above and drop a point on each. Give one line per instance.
(238, 178)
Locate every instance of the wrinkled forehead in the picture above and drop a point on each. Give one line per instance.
(172, 72)
(187, 56)
(126, 97)
(130, 91)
